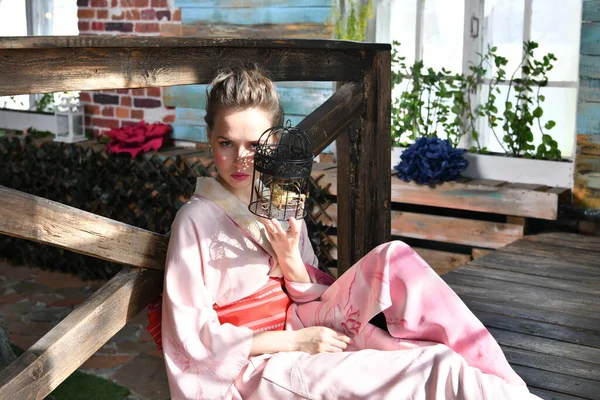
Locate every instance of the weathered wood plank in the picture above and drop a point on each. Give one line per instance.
(442, 262)
(567, 334)
(574, 303)
(588, 260)
(552, 363)
(294, 100)
(590, 39)
(41, 42)
(550, 395)
(332, 118)
(570, 240)
(534, 264)
(589, 67)
(591, 11)
(446, 229)
(45, 221)
(532, 312)
(583, 388)
(251, 3)
(277, 31)
(496, 272)
(589, 90)
(62, 350)
(463, 196)
(586, 190)
(548, 346)
(257, 16)
(363, 153)
(111, 64)
(588, 118)
(478, 253)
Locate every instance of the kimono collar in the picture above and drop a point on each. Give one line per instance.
(212, 190)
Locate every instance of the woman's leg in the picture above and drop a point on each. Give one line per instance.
(416, 302)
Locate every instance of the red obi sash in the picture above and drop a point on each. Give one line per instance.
(263, 310)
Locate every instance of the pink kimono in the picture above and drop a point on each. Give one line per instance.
(219, 253)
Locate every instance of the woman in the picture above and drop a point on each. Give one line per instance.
(247, 315)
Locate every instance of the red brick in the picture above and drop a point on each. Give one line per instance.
(165, 14)
(83, 13)
(99, 3)
(11, 298)
(153, 91)
(126, 101)
(177, 15)
(114, 3)
(137, 114)
(24, 341)
(97, 26)
(84, 97)
(119, 26)
(122, 112)
(83, 26)
(134, 3)
(91, 109)
(83, 3)
(105, 122)
(147, 103)
(132, 15)
(159, 3)
(69, 301)
(169, 119)
(88, 120)
(118, 17)
(106, 98)
(102, 14)
(123, 91)
(108, 112)
(148, 14)
(147, 28)
(169, 107)
(139, 92)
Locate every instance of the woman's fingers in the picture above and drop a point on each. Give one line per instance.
(343, 338)
(339, 344)
(295, 225)
(277, 228)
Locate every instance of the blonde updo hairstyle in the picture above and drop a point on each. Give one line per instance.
(240, 87)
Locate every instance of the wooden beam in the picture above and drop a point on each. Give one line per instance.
(94, 63)
(62, 350)
(34, 218)
(363, 169)
(333, 117)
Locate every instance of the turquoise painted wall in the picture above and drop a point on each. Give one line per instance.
(261, 18)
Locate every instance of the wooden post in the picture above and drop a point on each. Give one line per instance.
(364, 158)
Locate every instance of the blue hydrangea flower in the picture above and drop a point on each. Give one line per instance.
(431, 160)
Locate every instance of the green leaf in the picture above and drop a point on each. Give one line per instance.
(538, 112)
(549, 125)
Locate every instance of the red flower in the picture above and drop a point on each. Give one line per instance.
(139, 138)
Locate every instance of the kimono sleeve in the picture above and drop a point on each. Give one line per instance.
(202, 357)
(320, 281)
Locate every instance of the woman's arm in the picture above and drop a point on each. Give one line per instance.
(285, 244)
(312, 340)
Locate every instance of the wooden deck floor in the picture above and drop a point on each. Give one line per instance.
(540, 299)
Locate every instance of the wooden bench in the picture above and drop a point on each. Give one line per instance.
(497, 213)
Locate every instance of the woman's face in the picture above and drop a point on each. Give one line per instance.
(233, 138)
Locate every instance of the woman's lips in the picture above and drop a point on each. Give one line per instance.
(239, 176)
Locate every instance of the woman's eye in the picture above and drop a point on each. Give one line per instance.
(225, 143)
(253, 146)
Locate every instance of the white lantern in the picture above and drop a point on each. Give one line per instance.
(70, 124)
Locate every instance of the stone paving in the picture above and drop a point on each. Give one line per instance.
(32, 301)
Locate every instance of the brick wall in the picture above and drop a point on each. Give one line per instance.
(113, 108)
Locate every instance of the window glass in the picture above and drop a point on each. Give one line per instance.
(443, 30)
(503, 28)
(556, 27)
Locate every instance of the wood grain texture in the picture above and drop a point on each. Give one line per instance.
(464, 196)
(591, 11)
(590, 39)
(45, 221)
(446, 229)
(586, 189)
(154, 63)
(258, 15)
(363, 154)
(331, 119)
(62, 350)
(251, 3)
(276, 31)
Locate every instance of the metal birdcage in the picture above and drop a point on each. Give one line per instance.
(283, 161)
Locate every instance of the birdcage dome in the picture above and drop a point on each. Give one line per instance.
(282, 165)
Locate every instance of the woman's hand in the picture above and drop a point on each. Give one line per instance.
(319, 339)
(285, 243)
